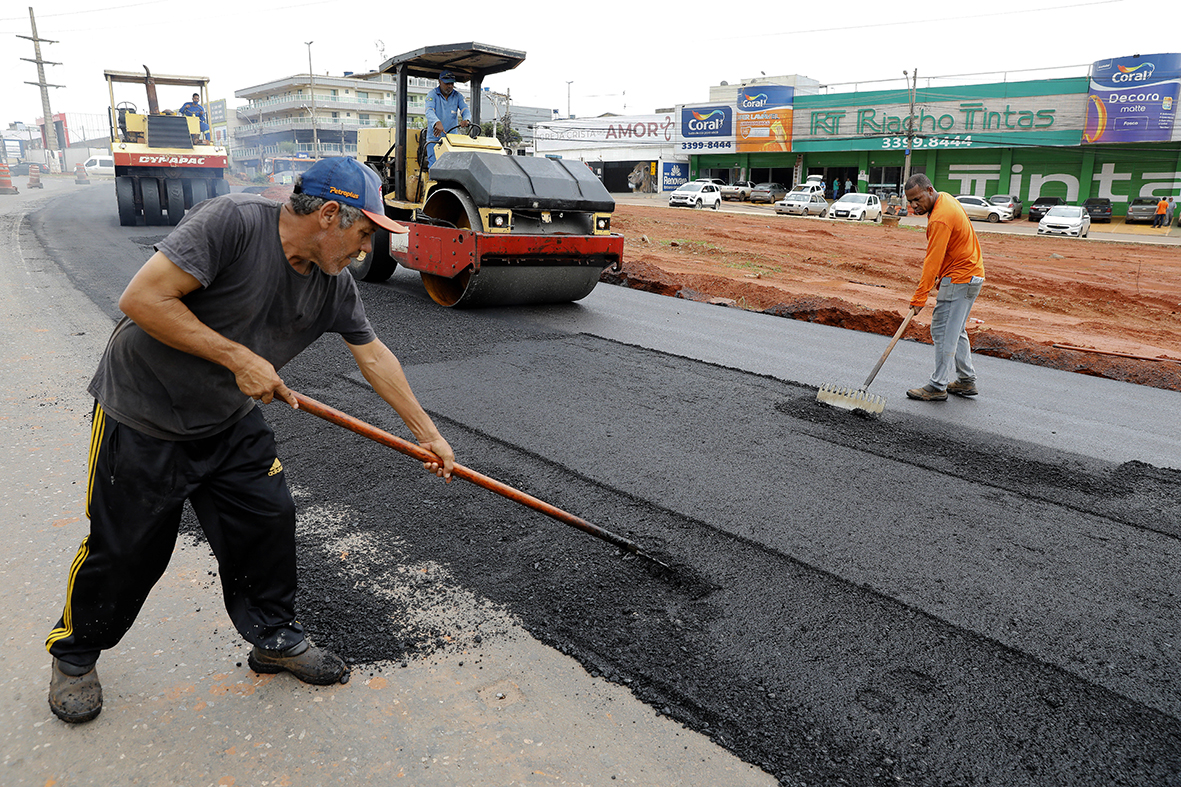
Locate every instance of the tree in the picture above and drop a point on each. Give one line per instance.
(508, 136)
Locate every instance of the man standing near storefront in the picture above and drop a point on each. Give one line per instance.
(1161, 207)
(1169, 213)
(955, 267)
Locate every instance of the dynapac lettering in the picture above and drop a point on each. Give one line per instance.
(171, 159)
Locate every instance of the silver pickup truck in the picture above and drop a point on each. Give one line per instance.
(738, 190)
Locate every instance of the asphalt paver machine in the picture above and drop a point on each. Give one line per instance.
(486, 228)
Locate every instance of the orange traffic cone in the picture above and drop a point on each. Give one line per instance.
(6, 186)
(80, 175)
(35, 177)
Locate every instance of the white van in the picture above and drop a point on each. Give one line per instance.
(100, 165)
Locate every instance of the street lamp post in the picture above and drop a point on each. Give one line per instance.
(312, 81)
(911, 88)
(569, 114)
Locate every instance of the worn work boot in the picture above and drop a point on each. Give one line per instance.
(928, 393)
(75, 695)
(962, 388)
(305, 661)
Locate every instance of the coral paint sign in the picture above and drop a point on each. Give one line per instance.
(706, 129)
(1134, 99)
(764, 118)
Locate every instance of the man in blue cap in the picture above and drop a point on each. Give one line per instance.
(446, 110)
(238, 289)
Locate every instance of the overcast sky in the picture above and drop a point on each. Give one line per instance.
(621, 56)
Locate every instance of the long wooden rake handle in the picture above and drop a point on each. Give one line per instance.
(415, 451)
(886, 354)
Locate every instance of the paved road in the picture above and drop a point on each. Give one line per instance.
(976, 592)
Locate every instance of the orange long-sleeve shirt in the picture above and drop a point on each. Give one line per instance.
(952, 248)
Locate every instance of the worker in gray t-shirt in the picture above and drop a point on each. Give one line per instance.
(236, 291)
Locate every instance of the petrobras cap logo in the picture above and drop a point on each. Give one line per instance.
(707, 122)
(748, 101)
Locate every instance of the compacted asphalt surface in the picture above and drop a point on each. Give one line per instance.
(977, 592)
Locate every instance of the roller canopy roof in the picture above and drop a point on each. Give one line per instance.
(464, 60)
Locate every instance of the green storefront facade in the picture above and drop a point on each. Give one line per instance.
(1021, 138)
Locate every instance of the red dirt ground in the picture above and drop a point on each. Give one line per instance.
(1112, 297)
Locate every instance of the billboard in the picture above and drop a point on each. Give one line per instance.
(633, 131)
(764, 118)
(673, 174)
(706, 129)
(1040, 112)
(1134, 99)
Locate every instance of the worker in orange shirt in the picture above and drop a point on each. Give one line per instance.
(955, 267)
(1159, 219)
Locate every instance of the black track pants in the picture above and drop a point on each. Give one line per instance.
(135, 494)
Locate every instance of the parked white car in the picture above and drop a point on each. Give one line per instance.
(696, 195)
(100, 165)
(739, 190)
(809, 187)
(801, 203)
(1065, 220)
(980, 208)
(857, 207)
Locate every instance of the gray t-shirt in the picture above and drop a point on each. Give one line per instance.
(249, 294)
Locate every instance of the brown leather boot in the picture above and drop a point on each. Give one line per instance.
(75, 698)
(305, 661)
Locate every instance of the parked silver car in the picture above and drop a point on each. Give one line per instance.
(1141, 209)
(980, 209)
(768, 192)
(1010, 201)
(800, 203)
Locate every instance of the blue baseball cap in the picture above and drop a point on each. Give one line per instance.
(349, 182)
(447, 77)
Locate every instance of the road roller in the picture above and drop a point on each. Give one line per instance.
(486, 228)
(164, 161)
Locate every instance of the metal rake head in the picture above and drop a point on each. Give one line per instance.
(850, 399)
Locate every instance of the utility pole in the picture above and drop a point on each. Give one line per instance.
(911, 87)
(50, 128)
(312, 79)
(569, 114)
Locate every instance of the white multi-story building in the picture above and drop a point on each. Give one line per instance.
(286, 118)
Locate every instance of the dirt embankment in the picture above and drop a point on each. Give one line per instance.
(1120, 298)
